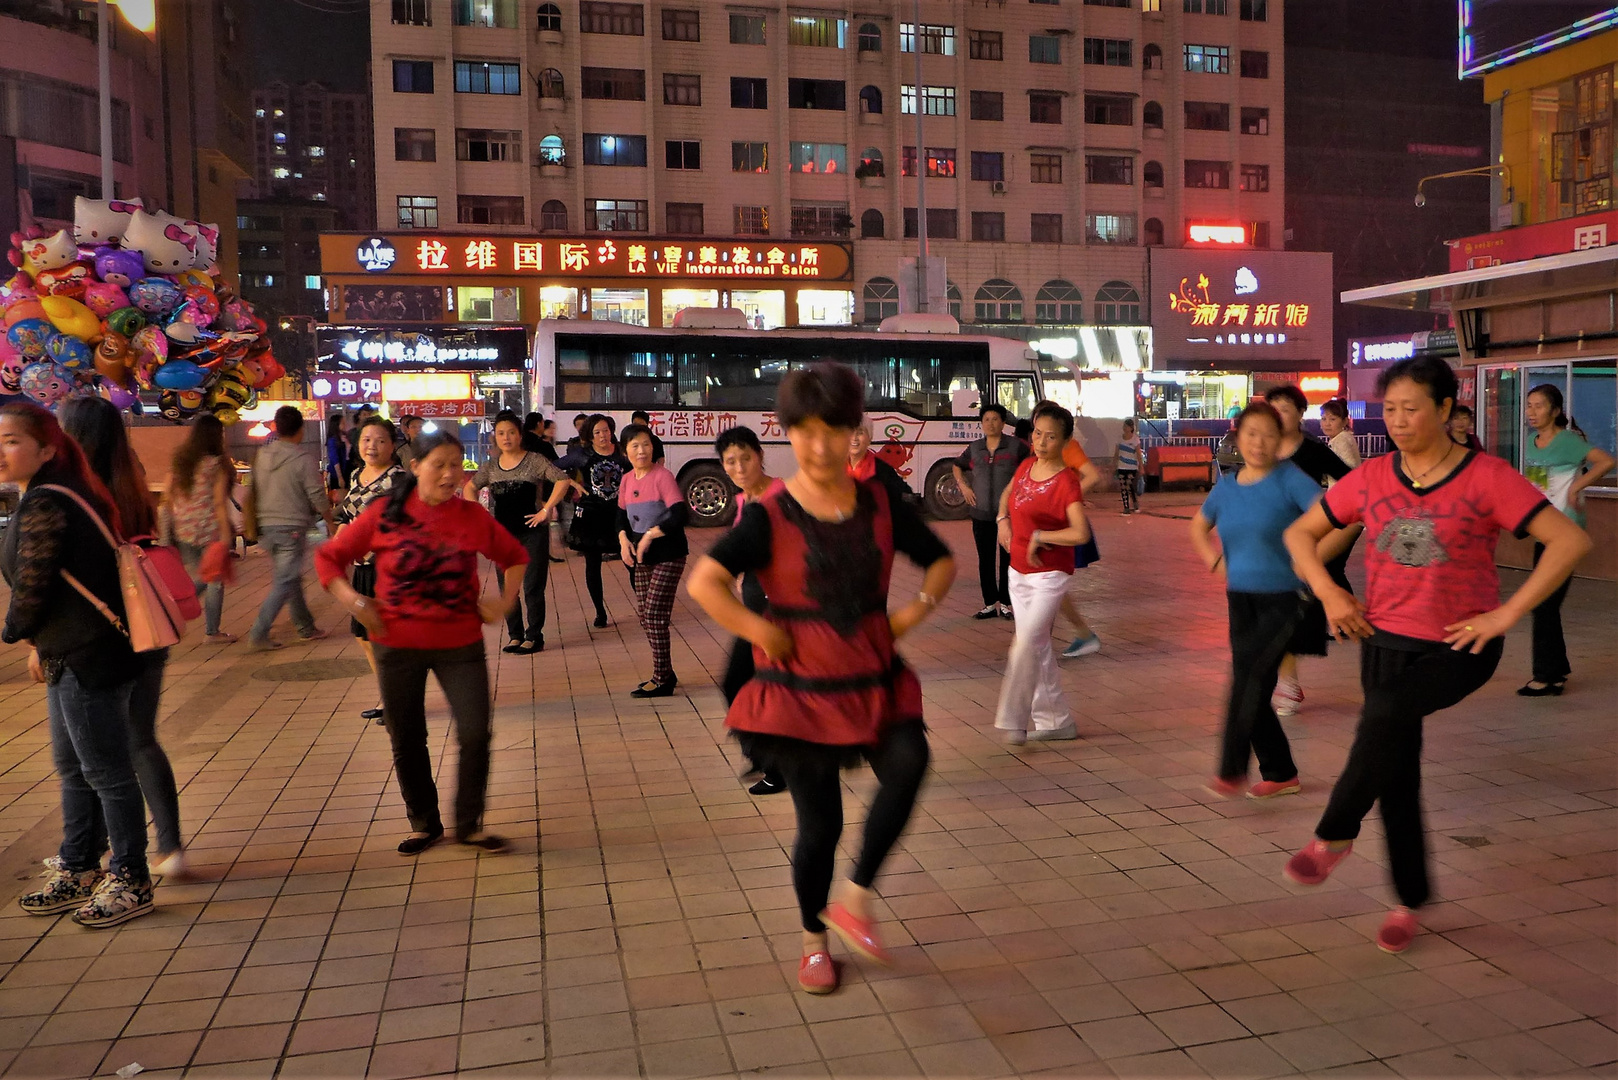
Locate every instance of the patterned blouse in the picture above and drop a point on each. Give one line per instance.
(359, 496)
(194, 519)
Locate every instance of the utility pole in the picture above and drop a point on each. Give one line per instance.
(921, 170)
(104, 63)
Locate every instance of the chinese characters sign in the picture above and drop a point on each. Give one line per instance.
(1237, 310)
(601, 255)
(427, 348)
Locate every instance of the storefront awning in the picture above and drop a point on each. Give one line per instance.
(1574, 273)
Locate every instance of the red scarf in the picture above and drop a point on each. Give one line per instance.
(866, 469)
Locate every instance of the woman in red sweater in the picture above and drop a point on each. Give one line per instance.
(428, 616)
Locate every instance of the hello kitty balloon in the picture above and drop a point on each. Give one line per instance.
(207, 243)
(102, 221)
(50, 252)
(163, 241)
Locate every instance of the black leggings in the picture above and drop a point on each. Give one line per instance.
(592, 579)
(899, 761)
(1550, 647)
(1261, 626)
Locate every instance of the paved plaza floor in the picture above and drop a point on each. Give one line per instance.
(1075, 909)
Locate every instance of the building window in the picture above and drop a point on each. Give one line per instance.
(988, 165)
(1044, 49)
(412, 76)
(483, 77)
(1109, 228)
(495, 14)
(418, 211)
(682, 218)
(941, 161)
(824, 94)
(1044, 107)
(881, 299)
(1151, 58)
(870, 38)
(476, 144)
(935, 100)
(1205, 7)
(1152, 174)
(1107, 3)
(747, 29)
(616, 215)
(596, 17)
(1058, 302)
(548, 18)
(821, 219)
(489, 210)
(930, 37)
(551, 151)
(1045, 228)
(682, 155)
(1208, 59)
(816, 31)
(872, 226)
(988, 105)
(553, 216)
(1117, 302)
(412, 13)
(1151, 115)
(752, 220)
(682, 89)
(997, 301)
(871, 100)
(1151, 7)
(1255, 178)
(1207, 174)
(1045, 168)
(550, 84)
(415, 144)
(819, 157)
(1255, 10)
(680, 24)
(941, 223)
(988, 226)
(1207, 116)
(870, 163)
(1109, 109)
(1255, 64)
(1109, 52)
(1255, 121)
(604, 149)
(613, 84)
(1152, 232)
(985, 45)
(907, 161)
(1117, 169)
(1260, 232)
(749, 93)
(751, 157)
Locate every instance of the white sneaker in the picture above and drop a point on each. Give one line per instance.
(1066, 732)
(171, 865)
(1081, 646)
(1013, 737)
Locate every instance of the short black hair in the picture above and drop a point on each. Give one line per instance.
(738, 436)
(533, 420)
(1290, 393)
(632, 432)
(1335, 407)
(1462, 410)
(826, 391)
(580, 416)
(594, 419)
(406, 418)
(1428, 372)
(288, 421)
(1062, 417)
(996, 408)
(641, 416)
(506, 416)
(1257, 408)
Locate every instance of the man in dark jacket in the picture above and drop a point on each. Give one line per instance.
(982, 472)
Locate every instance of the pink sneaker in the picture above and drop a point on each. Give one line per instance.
(1226, 787)
(1315, 862)
(1398, 930)
(1269, 789)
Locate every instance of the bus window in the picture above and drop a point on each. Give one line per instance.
(927, 384)
(1016, 393)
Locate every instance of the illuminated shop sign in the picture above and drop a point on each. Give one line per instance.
(426, 348)
(1494, 33)
(1214, 309)
(1201, 233)
(598, 256)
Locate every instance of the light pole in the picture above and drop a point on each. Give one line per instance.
(142, 15)
(921, 172)
(1481, 170)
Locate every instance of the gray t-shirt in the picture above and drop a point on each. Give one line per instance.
(989, 472)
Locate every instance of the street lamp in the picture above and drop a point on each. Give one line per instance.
(142, 15)
(1481, 170)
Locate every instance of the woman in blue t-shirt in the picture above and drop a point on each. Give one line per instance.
(1251, 514)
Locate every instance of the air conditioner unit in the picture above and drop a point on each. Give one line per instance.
(997, 187)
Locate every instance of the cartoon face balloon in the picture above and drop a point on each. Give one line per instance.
(150, 341)
(179, 406)
(102, 221)
(46, 383)
(112, 358)
(70, 353)
(11, 367)
(163, 241)
(207, 243)
(155, 296)
(104, 298)
(16, 290)
(50, 252)
(179, 375)
(69, 280)
(31, 337)
(126, 321)
(122, 268)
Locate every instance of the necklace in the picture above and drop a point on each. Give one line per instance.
(1416, 481)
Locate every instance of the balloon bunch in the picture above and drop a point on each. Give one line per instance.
(130, 300)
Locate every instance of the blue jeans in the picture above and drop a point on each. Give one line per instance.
(285, 544)
(101, 798)
(212, 592)
(152, 766)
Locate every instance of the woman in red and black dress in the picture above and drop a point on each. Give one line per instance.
(829, 686)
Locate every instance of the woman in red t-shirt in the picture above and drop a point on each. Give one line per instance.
(427, 616)
(1041, 522)
(1432, 622)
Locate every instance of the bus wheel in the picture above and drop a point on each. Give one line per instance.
(708, 494)
(942, 495)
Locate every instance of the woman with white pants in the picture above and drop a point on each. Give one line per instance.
(1041, 522)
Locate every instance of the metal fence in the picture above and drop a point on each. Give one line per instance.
(1370, 445)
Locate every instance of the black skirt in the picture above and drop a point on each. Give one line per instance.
(364, 581)
(595, 526)
(776, 755)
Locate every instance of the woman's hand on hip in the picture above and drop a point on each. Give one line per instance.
(1471, 635)
(1345, 615)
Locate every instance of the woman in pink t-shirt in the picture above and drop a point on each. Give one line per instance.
(1432, 622)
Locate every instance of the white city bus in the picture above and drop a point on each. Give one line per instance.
(922, 392)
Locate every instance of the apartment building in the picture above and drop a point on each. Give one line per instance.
(315, 143)
(1059, 140)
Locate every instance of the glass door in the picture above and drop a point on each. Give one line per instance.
(1499, 413)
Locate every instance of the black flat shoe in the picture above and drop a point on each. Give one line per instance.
(415, 845)
(371, 714)
(485, 842)
(556, 559)
(601, 620)
(1551, 689)
(512, 647)
(536, 644)
(768, 785)
(652, 688)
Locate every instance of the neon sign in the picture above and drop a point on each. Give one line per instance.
(1196, 301)
(376, 255)
(421, 348)
(1319, 384)
(1218, 234)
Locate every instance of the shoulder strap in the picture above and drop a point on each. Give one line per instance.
(107, 612)
(84, 504)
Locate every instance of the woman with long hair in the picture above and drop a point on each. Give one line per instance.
(201, 476)
(1559, 462)
(594, 533)
(427, 617)
(1041, 521)
(337, 451)
(830, 687)
(377, 475)
(98, 427)
(1432, 624)
(651, 542)
(85, 661)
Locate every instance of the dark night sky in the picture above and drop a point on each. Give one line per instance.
(327, 41)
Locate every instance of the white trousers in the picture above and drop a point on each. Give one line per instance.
(1032, 688)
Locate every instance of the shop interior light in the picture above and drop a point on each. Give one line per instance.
(1093, 356)
(141, 14)
(427, 386)
(1218, 234)
(1128, 349)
